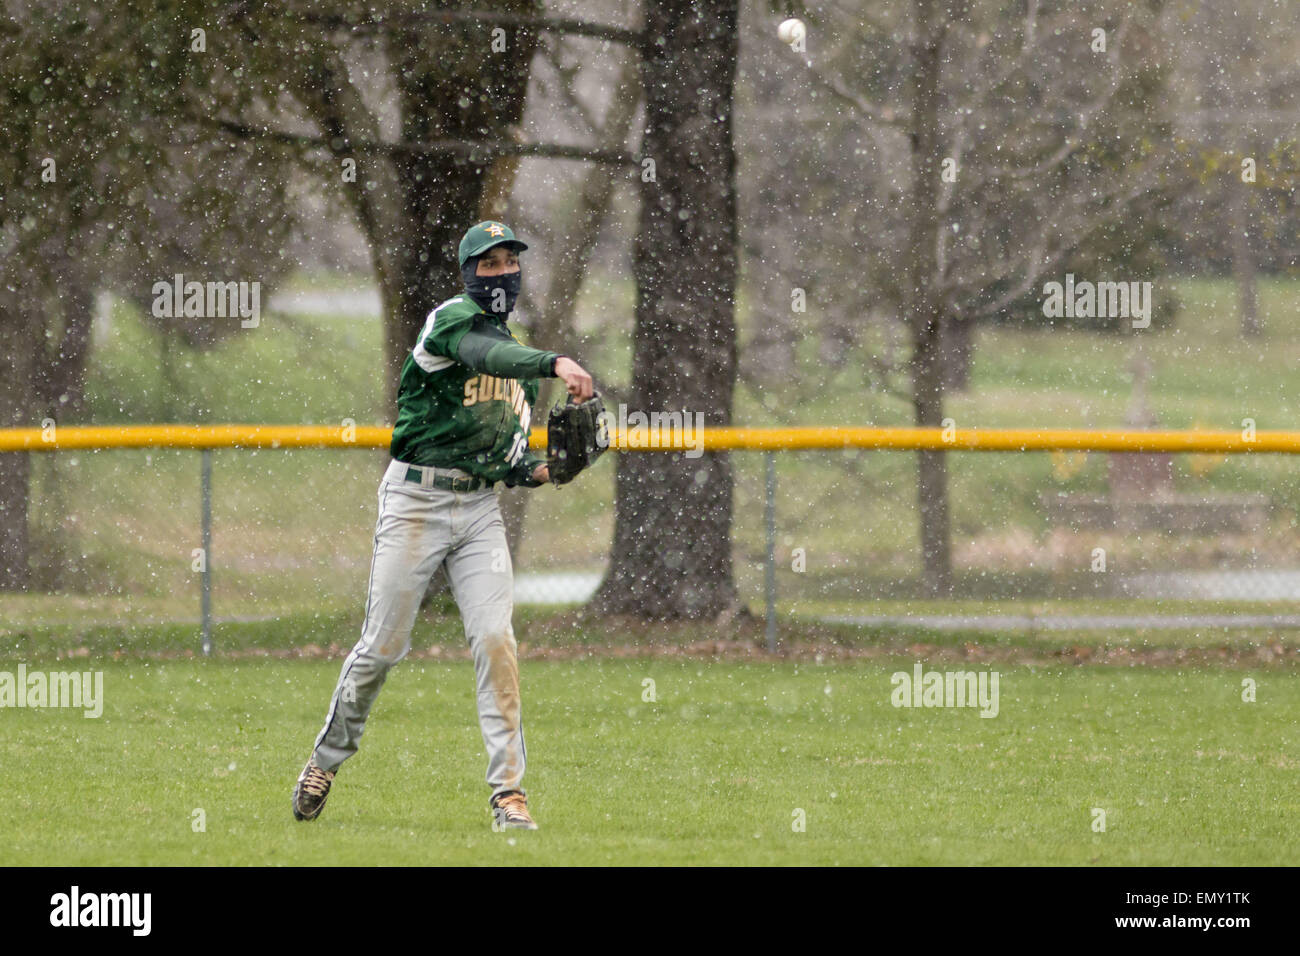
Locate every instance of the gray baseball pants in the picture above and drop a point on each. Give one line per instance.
(419, 528)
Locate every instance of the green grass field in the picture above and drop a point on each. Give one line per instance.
(713, 772)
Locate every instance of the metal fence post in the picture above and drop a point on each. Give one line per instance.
(770, 516)
(205, 603)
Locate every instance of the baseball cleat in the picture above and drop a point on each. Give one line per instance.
(310, 792)
(510, 812)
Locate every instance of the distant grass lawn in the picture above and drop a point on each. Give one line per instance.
(716, 770)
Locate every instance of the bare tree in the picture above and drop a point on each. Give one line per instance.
(1237, 90)
(75, 82)
(987, 165)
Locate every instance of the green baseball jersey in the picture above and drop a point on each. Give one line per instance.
(466, 395)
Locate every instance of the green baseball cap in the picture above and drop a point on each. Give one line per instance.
(483, 236)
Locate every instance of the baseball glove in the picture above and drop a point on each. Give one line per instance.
(576, 435)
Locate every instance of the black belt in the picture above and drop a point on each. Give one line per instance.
(447, 482)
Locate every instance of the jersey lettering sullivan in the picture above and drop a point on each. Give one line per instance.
(466, 395)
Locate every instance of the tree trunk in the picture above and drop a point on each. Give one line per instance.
(61, 394)
(19, 331)
(924, 309)
(15, 544)
(959, 353)
(672, 524)
(44, 345)
(932, 479)
(63, 378)
(1244, 267)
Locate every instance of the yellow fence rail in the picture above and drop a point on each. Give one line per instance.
(65, 437)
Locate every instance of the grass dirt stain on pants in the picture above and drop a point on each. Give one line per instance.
(420, 528)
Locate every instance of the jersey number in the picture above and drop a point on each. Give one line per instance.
(517, 448)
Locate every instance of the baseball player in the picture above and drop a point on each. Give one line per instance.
(464, 410)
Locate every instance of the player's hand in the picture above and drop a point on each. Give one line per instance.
(576, 379)
(542, 473)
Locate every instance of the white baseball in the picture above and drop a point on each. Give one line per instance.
(791, 31)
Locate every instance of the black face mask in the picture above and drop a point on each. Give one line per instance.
(483, 289)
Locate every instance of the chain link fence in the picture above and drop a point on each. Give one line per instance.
(834, 534)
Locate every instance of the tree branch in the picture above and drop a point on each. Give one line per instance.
(635, 39)
(881, 116)
(478, 149)
(566, 75)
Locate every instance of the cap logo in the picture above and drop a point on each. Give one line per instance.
(495, 229)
